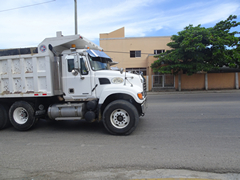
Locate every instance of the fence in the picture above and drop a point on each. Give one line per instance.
(163, 81)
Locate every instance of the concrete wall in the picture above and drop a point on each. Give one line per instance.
(194, 82)
(214, 81)
(238, 76)
(221, 81)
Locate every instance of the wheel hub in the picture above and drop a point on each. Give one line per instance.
(120, 118)
(23, 114)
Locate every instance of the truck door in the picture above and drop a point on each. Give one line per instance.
(79, 77)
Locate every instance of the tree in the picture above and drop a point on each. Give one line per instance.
(201, 49)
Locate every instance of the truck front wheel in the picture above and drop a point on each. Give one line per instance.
(120, 117)
(21, 115)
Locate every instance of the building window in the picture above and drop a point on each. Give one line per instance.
(134, 54)
(159, 51)
(137, 70)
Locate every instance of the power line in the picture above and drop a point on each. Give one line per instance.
(26, 6)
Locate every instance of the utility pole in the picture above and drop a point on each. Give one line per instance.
(76, 29)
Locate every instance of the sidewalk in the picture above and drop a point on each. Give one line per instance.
(173, 174)
(157, 174)
(195, 92)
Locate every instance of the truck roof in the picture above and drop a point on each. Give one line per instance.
(61, 43)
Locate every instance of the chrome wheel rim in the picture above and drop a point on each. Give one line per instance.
(20, 115)
(120, 118)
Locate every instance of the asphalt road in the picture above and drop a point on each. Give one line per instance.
(193, 131)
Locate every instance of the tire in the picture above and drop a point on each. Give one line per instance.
(21, 115)
(4, 120)
(120, 117)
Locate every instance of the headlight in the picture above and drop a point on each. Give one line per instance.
(117, 80)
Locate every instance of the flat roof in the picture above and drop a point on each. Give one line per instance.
(134, 37)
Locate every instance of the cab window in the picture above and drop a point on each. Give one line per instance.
(70, 65)
(83, 67)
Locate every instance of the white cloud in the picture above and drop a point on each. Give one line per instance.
(209, 14)
(29, 26)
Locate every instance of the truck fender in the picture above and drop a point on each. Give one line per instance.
(110, 91)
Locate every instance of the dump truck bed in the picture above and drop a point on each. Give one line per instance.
(29, 76)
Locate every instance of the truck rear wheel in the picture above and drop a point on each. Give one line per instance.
(120, 117)
(21, 115)
(4, 120)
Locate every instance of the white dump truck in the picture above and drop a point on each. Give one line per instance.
(68, 78)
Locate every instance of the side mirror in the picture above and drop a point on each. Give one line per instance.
(121, 70)
(75, 72)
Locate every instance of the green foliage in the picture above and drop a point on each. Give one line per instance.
(201, 49)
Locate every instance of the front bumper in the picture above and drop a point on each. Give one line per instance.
(144, 107)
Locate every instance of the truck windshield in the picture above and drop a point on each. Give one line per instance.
(99, 63)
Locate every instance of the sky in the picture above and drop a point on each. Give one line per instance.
(27, 23)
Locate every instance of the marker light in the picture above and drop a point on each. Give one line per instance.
(73, 45)
(140, 96)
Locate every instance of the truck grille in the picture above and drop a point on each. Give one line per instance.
(144, 86)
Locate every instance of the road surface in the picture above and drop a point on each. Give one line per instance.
(189, 131)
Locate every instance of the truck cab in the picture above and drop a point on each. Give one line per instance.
(87, 77)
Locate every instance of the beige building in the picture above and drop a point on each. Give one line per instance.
(136, 53)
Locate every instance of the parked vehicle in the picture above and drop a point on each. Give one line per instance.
(68, 78)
